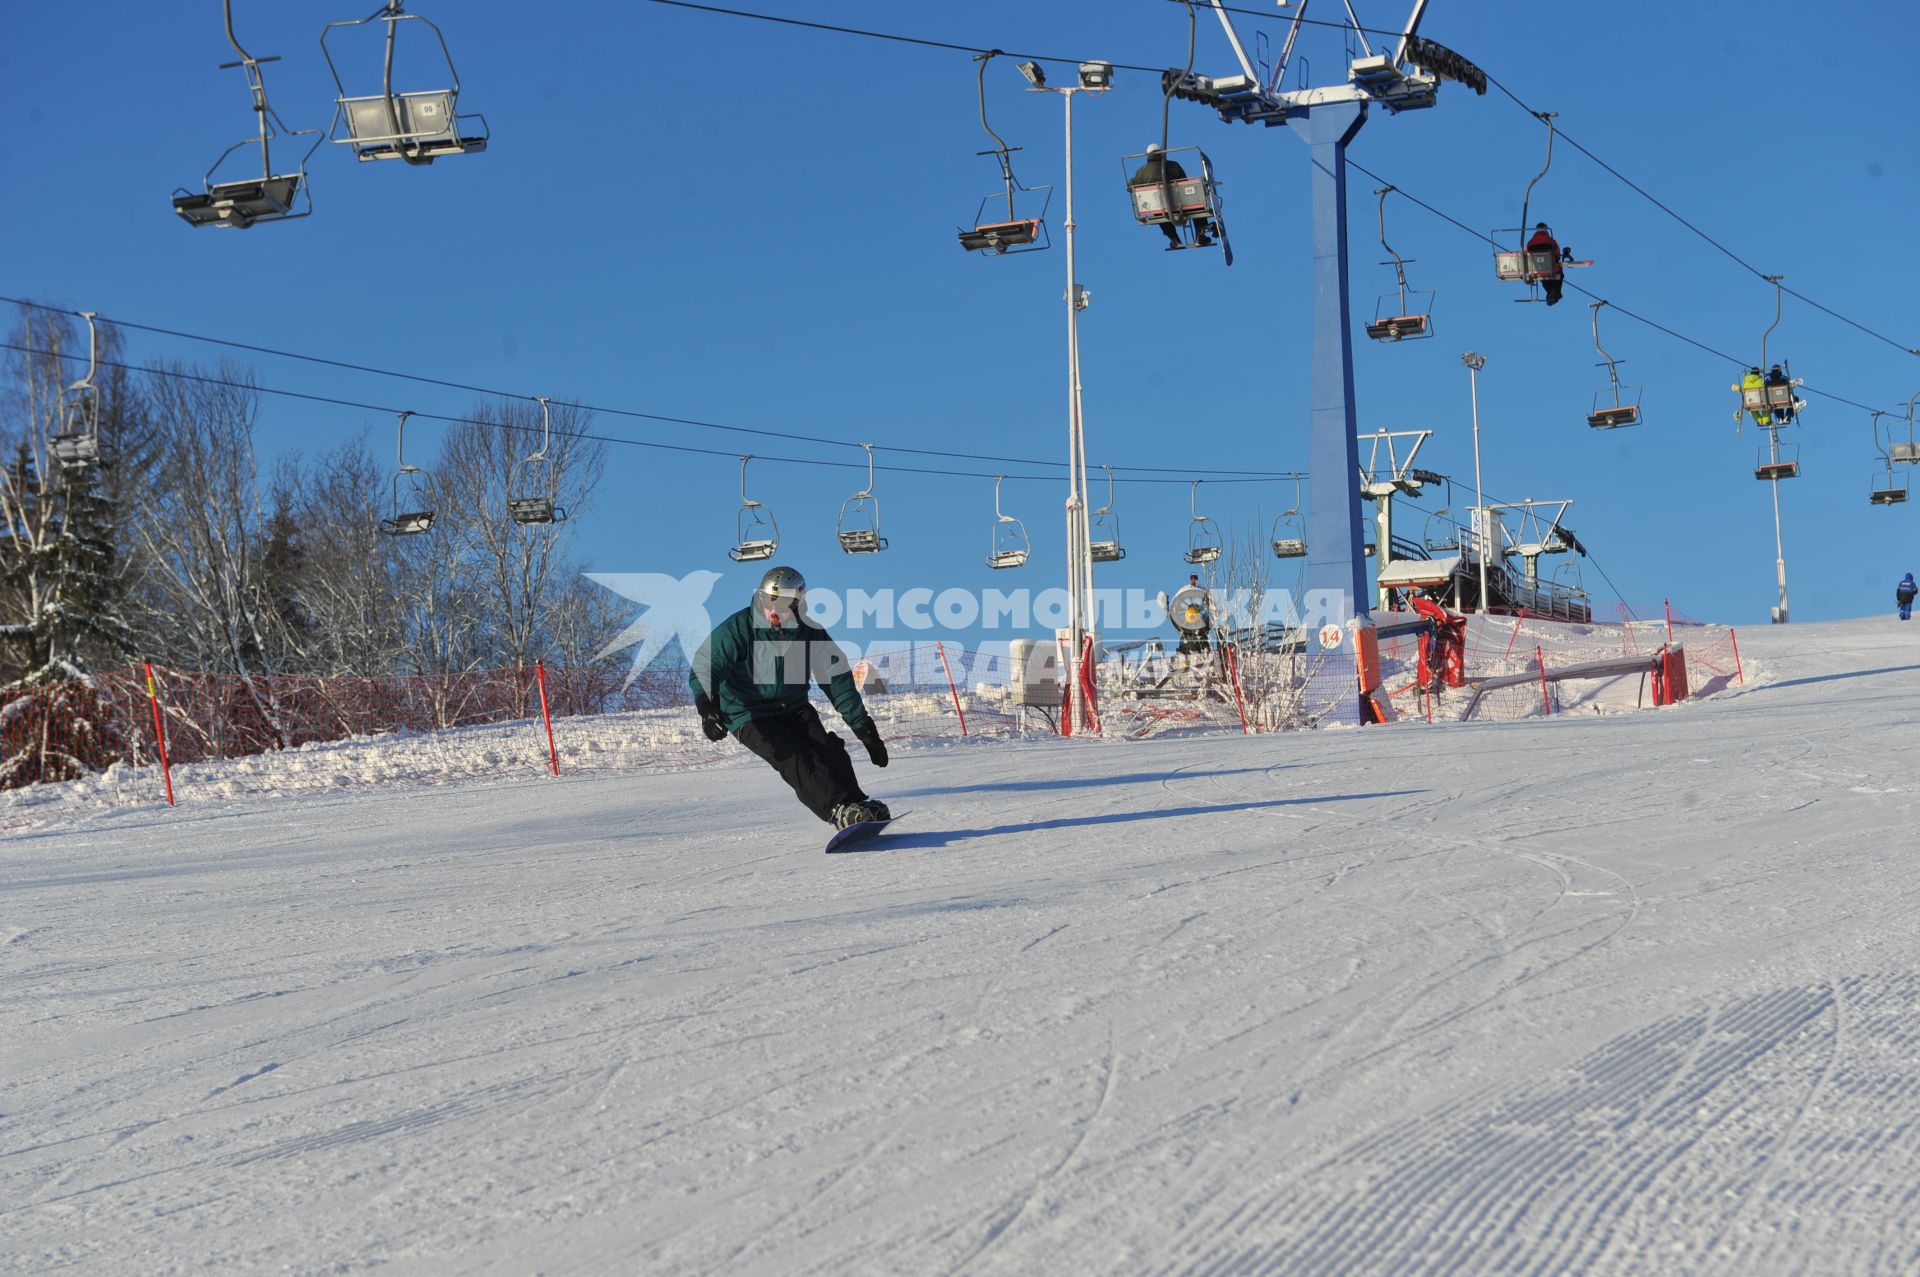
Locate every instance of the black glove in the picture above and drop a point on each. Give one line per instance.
(710, 720)
(869, 735)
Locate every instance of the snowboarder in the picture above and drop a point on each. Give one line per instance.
(1161, 171)
(750, 678)
(1903, 594)
(1784, 410)
(1544, 247)
(1754, 381)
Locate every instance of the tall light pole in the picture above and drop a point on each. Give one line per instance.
(1481, 531)
(1095, 77)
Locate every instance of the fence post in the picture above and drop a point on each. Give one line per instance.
(1738, 672)
(941, 648)
(1668, 605)
(1546, 702)
(159, 730)
(1233, 668)
(540, 676)
(1517, 622)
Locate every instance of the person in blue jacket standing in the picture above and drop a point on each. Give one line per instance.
(751, 678)
(1903, 594)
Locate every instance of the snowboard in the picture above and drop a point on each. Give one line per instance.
(853, 835)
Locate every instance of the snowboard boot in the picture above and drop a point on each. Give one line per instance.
(860, 812)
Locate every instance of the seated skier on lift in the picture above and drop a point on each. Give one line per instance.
(1754, 381)
(751, 677)
(1543, 241)
(1775, 377)
(1160, 171)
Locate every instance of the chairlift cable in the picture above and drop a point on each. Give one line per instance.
(495, 393)
(1239, 477)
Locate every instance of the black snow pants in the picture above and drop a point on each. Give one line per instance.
(808, 757)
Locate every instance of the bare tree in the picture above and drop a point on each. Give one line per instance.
(202, 531)
(513, 567)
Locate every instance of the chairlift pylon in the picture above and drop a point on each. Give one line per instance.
(1022, 230)
(530, 498)
(410, 515)
(1203, 534)
(418, 126)
(859, 525)
(756, 532)
(1624, 410)
(1394, 317)
(271, 197)
(1163, 193)
(1009, 547)
(1103, 535)
(76, 445)
(1293, 545)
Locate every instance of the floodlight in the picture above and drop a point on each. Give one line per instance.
(1035, 76)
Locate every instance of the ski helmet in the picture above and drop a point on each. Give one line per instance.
(1154, 148)
(781, 590)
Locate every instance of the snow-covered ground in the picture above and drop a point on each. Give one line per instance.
(1633, 994)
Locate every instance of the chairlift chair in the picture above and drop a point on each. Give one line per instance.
(530, 497)
(1395, 318)
(1180, 202)
(418, 126)
(245, 202)
(1888, 488)
(1294, 544)
(1023, 229)
(1103, 535)
(1778, 461)
(1203, 534)
(756, 532)
(1618, 405)
(1897, 452)
(859, 524)
(76, 445)
(411, 514)
(1009, 547)
(1533, 266)
(1446, 538)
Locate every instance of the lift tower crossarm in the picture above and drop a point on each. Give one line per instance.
(1375, 78)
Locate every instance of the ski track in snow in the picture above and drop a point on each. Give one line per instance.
(1619, 996)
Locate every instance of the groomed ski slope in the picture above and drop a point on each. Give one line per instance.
(1606, 995)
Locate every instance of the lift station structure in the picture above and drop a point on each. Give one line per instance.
(1327, 118)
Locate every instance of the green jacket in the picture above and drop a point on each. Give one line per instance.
(755, 671)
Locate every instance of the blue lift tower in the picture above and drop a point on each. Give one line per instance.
(1326, 119)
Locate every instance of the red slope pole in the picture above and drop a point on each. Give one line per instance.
(1233, 667)
(540, 676)
(1738, 671)
(159, 731)
(941, 648)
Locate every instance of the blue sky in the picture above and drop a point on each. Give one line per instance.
(699, 216)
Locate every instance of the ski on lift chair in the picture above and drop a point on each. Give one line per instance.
(418, 126)
(76, 445)
(1203, 534)
(1024, 228)
(1009, 547)
(859, 524)
(1395, 318)
(530, 498)
(271, 197)
(411, 514)
(756, 532)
